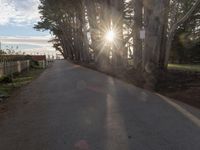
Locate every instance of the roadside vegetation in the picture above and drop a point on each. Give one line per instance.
(7, 85)
(12, 82)
(185, 67)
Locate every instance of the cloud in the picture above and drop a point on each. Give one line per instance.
(19, 12)
(41, 41)
(28, 44)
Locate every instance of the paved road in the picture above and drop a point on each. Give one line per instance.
(69, 107)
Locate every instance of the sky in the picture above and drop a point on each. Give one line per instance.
(17, 18)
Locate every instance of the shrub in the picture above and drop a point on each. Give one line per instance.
(6, 79)
(34, 64)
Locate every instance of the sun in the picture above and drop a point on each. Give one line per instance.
(110, 36)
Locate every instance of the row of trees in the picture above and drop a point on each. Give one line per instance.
(80, 26)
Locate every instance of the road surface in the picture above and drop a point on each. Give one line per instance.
(73, 108)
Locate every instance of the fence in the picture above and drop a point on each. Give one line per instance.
(10, 67)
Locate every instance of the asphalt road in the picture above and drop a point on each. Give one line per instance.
(73, 108)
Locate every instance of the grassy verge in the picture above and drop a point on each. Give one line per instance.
(184, 67)
(18, 81)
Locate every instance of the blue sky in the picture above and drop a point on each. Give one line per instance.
(17, 18)
(13, 30)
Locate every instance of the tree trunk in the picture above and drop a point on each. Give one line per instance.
(164, 33)
(117, 7)
(154, 26)
(137, 54)
(92, 18)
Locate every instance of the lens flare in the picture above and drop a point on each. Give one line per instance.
(110, 36)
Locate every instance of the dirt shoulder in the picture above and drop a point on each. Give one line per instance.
(181, 85)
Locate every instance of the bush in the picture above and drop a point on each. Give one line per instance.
(6, 79)
(34, 64)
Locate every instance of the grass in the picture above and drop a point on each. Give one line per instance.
(19, 81)
(184, 67)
